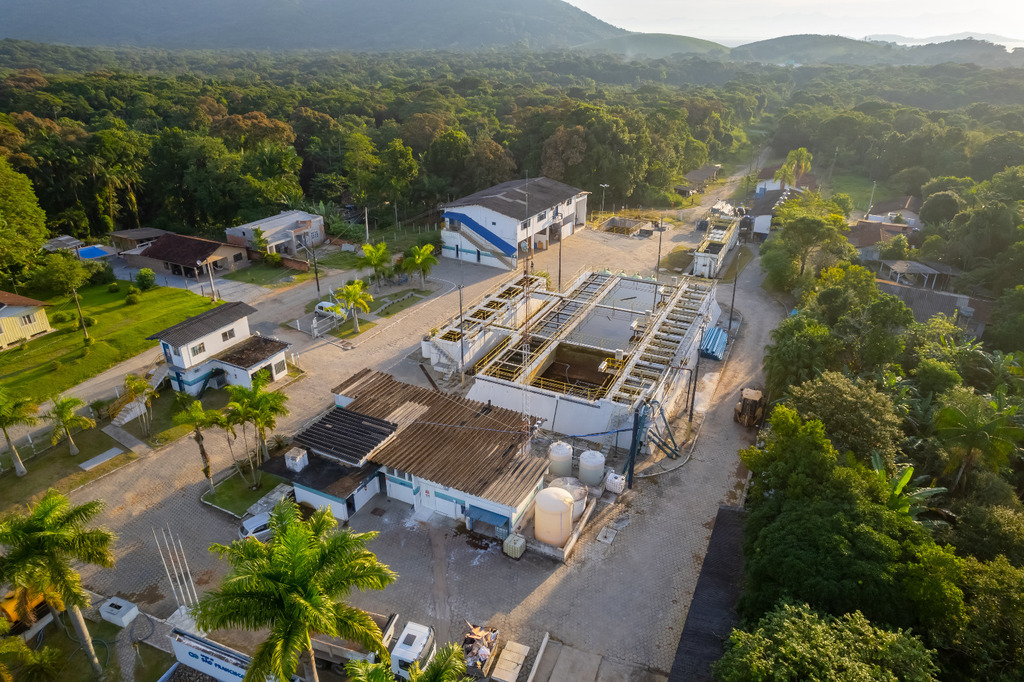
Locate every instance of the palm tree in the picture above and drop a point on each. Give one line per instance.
(786, 175)
(198, 419)
(356, 298)
(138, 387)
(40, 664)
(41, 547)
(376, 257)
(63, 417)
(423, 259)
(260, 408)
(801, 160)
(238, 413)
(975, 430)
(448, 665)
(295, 586)
(20, 411)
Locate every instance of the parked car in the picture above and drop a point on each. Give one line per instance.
(257, 526)
(329, 309)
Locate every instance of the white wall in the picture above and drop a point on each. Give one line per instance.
(318, 500)
(213, 342)
(762, 224)
(468, 251)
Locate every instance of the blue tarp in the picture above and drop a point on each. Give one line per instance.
(502, 245)
(713, 344)
(478, 514)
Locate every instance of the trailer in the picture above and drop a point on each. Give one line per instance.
(335, 652)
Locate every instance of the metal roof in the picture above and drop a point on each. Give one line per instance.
(520, 199)
(182, 250)
(195, 328)
(462, 444)
(251, 351)
(323, 474)
(346, 435)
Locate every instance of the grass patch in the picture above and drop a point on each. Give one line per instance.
(742, 259)
(268, 276)
(395, 308)
(859, 189)
(59, 360)
(55, 468)
(679, 258)
(340, 260)
(164, 428)
(76, 667)
(345, 330)
(235, 495)
(151, 663)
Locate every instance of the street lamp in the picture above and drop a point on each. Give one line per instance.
(555, 217)
(316, 270)
(603, 188)
(209, 271)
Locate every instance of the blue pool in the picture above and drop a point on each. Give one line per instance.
(90, 252)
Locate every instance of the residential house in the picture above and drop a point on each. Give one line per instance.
(697, 180)
(766, 181)
(867, 236)
(907, 208)
(21, 318)
(970, 313)
(63, 242)
(764, 208)
(444, 454)
(126, 240)
(216, 348)
(184, 256)
(285, 233)
(497, 226)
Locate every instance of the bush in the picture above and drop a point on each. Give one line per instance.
(114, 287)
(89, 341)
(89, 321)
(132, 299)
(62, 317)
(146, 279)
(273, 260)
(55, 366)
(134, 290)
(100, 272)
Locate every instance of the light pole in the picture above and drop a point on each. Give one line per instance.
(316, 270)
(462, 340)
(603, 188)
(555, 218)
(209, 271)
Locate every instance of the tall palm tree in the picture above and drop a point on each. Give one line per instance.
(423, 259)
(448, 665)
(63, 418)
(786, 174)
(376, 257)
(198, 419)
(295, 586)
(41, 547)
(238, 413)
(975, 430)
(16, 411)
(801, 160)
(138, 387)
(356, 298)
(261, 408)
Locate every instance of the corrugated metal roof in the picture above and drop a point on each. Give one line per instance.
(195, 328)
(462, 444)
(346, 435)
(251, 352)
(520, 199)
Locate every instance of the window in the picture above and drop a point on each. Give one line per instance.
(398, 474)
(279, 367)
(493, 223)
(238, 256)
(176, 351)
(542, 216)
(167, 266)
(27, 319)
(229, 334)
(198, 349)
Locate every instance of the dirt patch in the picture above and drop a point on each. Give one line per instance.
(204, 578)
(150, 595)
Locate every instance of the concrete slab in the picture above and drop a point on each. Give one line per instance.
(617, 671)
(100, 459)
(574, 665)
(127, 440)
(546, 665)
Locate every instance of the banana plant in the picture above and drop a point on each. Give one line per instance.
(905, 497)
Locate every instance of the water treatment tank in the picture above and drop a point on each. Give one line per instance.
(577, 489)
(560, 456)
(592, 467)
(553, 516)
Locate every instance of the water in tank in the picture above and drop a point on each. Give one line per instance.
(577, 489)
(592, 467)
(560, 456)
(553, 516)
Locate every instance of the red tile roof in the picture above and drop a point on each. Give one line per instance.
(7, 298)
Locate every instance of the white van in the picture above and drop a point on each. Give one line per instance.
(415, 645)
(329, 309)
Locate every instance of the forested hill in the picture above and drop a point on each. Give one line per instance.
(380, 25)
(831, 49)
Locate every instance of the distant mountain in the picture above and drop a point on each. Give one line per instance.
(359, 25)
(988, 37)
(655, 46)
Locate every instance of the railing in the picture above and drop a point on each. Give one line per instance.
(493, 353)
(587, 392)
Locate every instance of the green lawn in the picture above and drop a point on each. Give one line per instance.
(340, 260)
(268, 276)
(55, 468)
(164, 428)
(679, 258)
(151, 663)
(59, 360)
(397, 243)
(76, 667)
(235, 495)
(739, 262)
(345, 330)
(859, 189)
(400, 306)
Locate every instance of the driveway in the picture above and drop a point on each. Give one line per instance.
(227, 289)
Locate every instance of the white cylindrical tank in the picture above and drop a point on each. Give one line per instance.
(553, 516)
(577, 489)
(592, 467)
(560, 456)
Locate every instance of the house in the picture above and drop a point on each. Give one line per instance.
(697, 180)
(498, 225)
(452, 456)
(766, 181)
(907, 208)
(867, 236)
(216, 348)
(21, 318)
(971, 313)
(284, 232)
(126, 240)
(62, 242)
(763, 210)
(184, 256)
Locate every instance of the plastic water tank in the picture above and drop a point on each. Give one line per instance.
(577, 489)
(560, 456)
(553, 516)
(592, 467)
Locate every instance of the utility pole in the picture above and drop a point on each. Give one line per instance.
(657, 264)
(316, 270)
(366, 217)
(462, 340)
(871, 201)
(603, 188)
(732, 303)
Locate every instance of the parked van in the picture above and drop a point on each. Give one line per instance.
(329, 309)
(257, 526)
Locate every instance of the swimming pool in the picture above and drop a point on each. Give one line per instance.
(91, 252)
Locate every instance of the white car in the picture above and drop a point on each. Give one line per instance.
(329, 309)
(257, 526)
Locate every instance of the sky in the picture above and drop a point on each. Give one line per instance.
(734, 22)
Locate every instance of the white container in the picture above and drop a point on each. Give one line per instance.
(553, 516)
(577, 489)
(514, 545)
(560, 456)
(592, 467)
(614, 482)
(118, 611)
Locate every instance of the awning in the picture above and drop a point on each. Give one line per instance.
(478, 514)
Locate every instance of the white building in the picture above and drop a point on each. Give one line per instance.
(216, 348)
(721, 237)
(449, 455)
(283, 232)
(498, 225)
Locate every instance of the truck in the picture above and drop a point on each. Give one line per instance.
(335, 652)
(415, 645)
(480, 646)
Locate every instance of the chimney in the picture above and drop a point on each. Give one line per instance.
(296, 459)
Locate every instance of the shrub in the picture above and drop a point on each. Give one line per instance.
(100, 272)
(273, 260)
(146, 279)
(132, 299)
(134, 290)
(62, 316)
(89, 341)
(89, 321)
(55, 366)
(113, 287)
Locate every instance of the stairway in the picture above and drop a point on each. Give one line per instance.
(483, 245)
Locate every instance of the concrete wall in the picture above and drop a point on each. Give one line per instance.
(214, 343)
(318, 499)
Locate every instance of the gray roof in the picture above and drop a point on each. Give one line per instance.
(140, 233)
(345, 435)
(515, 197)
(195, 328)
(703, 174)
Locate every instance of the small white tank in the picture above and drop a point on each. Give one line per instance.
(577, 489)
(592, 467)
(560, 456)
(553, 516)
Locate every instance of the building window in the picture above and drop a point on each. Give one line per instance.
(228, 335)
(279, 367)
(198, 349)
(238, 256)
(27, 319)
(167, 266)
(542, 216)
(176, 351)
(398, 474)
